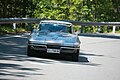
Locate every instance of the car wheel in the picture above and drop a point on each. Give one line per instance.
(75, 56)
(29, 51)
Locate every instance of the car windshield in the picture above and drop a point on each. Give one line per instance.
(54, 27)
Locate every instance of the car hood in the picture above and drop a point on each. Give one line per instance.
(54, 38)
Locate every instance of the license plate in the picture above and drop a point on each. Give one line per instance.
(53, 51)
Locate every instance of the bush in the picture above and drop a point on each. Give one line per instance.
(10, 30)
(76, 28)
(4, 29)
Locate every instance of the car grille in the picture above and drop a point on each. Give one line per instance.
(53, 46)
(63, 49)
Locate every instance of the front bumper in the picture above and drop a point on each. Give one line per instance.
(63, 49)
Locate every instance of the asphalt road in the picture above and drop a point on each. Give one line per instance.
(99, 60)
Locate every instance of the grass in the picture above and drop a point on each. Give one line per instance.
(117, 31)
(9, 30)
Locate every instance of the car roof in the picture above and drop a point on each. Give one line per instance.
(55, 21)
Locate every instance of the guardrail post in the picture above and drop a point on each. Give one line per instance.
(99, 29)
(114, 27)
(14, 25)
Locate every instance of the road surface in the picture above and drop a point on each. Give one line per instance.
(99, 59)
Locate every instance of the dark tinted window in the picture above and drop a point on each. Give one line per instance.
(54, 27)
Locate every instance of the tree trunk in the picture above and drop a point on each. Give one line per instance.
(5, 8)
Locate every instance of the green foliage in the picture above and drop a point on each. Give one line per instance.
(6, 29)
(106, 29)
(79, 10)
(88, 29)
(94, 29)
(83, 10)
(58, 9)
(20, 30)
(77, 28)
(118, 31)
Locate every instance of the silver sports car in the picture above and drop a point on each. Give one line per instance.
(54, 38)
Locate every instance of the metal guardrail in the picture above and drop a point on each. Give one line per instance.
(36, 20)
(19, 20)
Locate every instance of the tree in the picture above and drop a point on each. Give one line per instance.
(59, 9)
(81, 10)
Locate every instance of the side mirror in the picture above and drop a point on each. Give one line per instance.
(34, 30)
(77, 32)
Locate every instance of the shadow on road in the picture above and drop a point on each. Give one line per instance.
(14, 49)
(89, 54)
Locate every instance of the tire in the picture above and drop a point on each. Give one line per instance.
(75, 56)
(29, 51)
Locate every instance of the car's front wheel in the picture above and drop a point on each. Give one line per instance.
(75, 56)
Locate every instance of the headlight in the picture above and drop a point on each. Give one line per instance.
(32, 41)
(76, 45)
